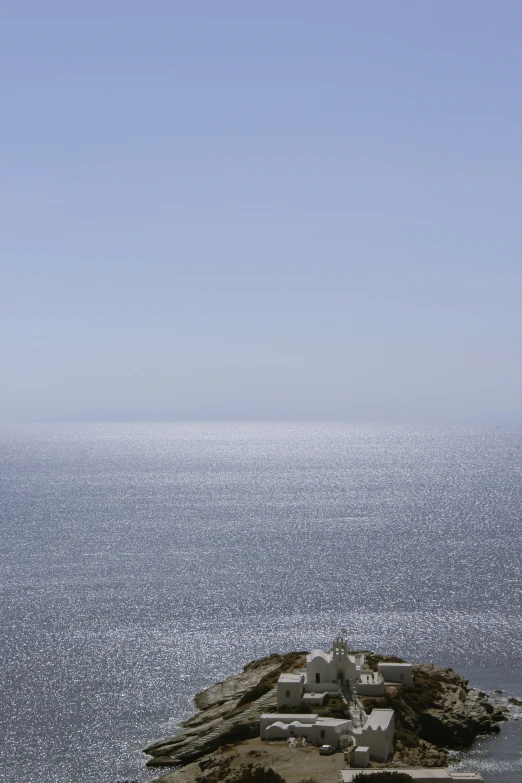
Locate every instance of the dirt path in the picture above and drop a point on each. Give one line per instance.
(293, 764)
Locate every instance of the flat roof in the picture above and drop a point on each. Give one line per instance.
(290, 678)
(283, 716)
(379, 719)
(417, 773)
(390, 663)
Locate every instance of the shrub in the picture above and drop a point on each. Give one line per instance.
(302, 709)
(383, 777)
(408, 738)
(258, 774)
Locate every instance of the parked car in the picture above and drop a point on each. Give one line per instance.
(326, 750)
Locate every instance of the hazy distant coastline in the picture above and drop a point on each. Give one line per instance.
(125, 416)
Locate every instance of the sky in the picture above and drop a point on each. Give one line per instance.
(260, 210)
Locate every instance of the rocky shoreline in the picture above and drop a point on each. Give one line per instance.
(228, 711)
(439, 712)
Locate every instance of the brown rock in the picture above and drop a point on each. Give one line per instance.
(438, 711)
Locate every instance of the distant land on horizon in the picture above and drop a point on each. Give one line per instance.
(122, 416)
(498, 418)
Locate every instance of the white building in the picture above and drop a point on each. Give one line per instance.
(335, 673)
(418, 774)
(316, 730)
(336, 677)
(378, 733)
(331, 670)
(290, 689)
(370, 684)
(361, 756)
(397, 673)
(374, 739)
(327, 673)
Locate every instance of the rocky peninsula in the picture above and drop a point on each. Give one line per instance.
(435, 714)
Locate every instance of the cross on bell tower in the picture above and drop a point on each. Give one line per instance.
(340, 649)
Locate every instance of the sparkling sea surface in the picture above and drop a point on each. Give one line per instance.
(139, 563)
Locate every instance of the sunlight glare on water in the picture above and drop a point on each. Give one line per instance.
(140, 563)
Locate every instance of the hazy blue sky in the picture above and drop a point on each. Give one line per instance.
(261, 209)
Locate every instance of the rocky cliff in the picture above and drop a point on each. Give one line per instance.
(229, 711)
(439, 711)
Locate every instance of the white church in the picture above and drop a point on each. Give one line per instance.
(333, 681)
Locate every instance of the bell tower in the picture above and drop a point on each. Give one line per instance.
(343, 667)
(340, 650)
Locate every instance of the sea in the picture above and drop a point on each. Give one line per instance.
(142, 562)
